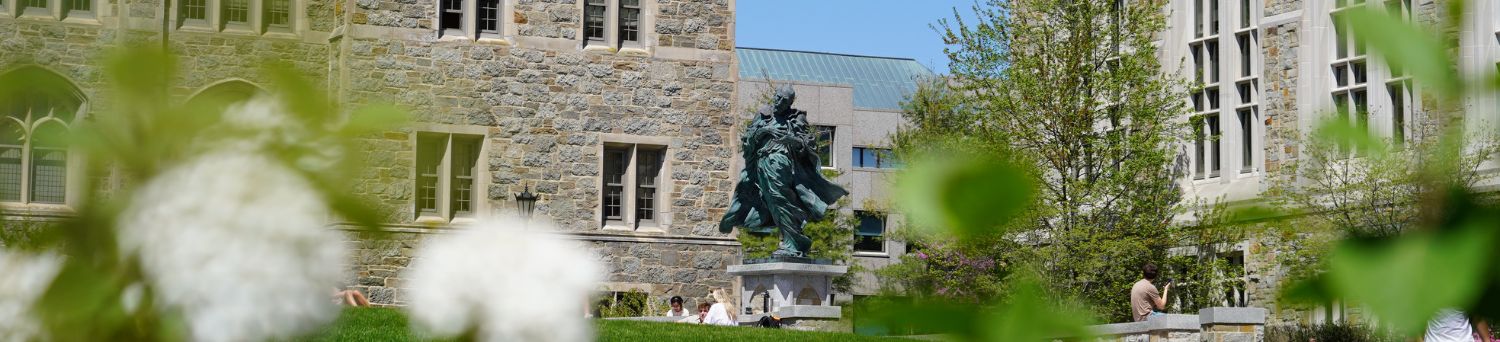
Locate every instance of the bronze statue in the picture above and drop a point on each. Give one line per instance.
(781, 188)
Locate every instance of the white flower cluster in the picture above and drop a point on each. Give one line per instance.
(507, 280)
(237, 242)
(25, 278)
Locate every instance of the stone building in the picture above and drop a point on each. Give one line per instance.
(1265, 72)
(619, 113)
(854, 104)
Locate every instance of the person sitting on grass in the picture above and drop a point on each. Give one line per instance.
(677, 310)
(350, 298)
(703, 312)
(722, 312)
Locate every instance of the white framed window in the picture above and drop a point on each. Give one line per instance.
(1206, 151)
(615, 24)
(241, 16)
(823, 136)
(472, 19)
(1205, 18)
(633, 196)
(869, 236)
(446, 181)
(51, 9)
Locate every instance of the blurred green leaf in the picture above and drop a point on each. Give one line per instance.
(1404, 281)
(1349, 136)
(1030, 316)
(967, 195)
(1404, 44)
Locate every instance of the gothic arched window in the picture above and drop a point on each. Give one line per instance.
(34, 158)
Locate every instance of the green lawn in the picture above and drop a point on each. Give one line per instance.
(390, 325)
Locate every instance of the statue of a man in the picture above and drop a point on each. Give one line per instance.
(781, 188)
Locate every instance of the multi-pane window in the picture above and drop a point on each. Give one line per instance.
(279, 13)
(194, 10)
(489, 16)
(870, 235)
(1205, 17)
(630, 20)
(450, 20)
(632, 195)
(593, 19)
(613, 23)
(37, 4)
(1350, 72)
(236, 11)
(878, 158)
(78, 5)
(1401, 110)
(33, 154)
(1206, 134)
(445, 175)
(824, 145)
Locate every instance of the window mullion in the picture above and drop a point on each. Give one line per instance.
(628, 205)
(612, 31)
(444, 179)
(26, 164)
(469, 22)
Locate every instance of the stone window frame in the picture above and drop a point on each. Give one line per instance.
(258, 22)
(60, 10)
(1247, 113)
(611, 41)
(664, 185)
(469, 23)
(478, 199)
(75, 162)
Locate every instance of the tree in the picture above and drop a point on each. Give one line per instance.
(1073, 90)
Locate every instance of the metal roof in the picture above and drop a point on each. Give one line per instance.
(879, 82)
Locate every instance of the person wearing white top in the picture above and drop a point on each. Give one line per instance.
(677, 310)
(721, 313)
(1451, 325)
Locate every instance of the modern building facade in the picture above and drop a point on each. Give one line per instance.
(854, 104)
(618, 113)
(1264, 73)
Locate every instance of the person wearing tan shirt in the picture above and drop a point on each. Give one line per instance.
(1144, 300)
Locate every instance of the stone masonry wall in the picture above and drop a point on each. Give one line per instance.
(547, 109)
(660, 270)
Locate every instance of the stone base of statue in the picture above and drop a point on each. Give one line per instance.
(800, 293)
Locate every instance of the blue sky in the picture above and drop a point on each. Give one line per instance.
(890, 28)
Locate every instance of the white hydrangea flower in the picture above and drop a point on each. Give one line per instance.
(508, 279)
(237, 242)
(25, 278)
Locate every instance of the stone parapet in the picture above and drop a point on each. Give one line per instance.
(1209, 325)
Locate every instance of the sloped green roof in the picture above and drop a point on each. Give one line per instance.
(879, 82)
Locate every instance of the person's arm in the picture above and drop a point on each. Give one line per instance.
(1484, 330)
(1161, 301)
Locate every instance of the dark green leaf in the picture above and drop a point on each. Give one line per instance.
(1404, 281)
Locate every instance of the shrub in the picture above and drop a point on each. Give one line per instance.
(1327, 332)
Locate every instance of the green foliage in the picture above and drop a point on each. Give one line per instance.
(1440, 255)
(1201, 273)
(1327, 332)
(623, 304)
(145, 132)
(1053, 132)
